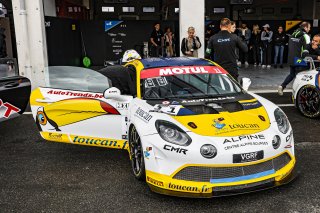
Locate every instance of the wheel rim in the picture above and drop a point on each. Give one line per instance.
(309, 101)
(135, 151)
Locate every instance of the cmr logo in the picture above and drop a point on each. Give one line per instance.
(173, 149)
(9, 109)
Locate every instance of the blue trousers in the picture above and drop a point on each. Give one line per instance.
(278, 51)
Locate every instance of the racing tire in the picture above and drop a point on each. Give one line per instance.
(308, 101)
(136, 154)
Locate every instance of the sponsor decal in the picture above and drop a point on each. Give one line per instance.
(181, 70)
(245, 140)
(9, 109)
(154, 181)
(174, 149)
(251, 105)
(244, 126)
(218, 123)
(244, 137)
(307, 78)
(248, 157)
(207, 99)
(122, 105)
(55, 136)
(241, 145)
(143, 115)
(147, 152)
(99, 142)
(196, 189)
(75, 94)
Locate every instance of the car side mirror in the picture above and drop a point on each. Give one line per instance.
(245, 83)
(113, 93)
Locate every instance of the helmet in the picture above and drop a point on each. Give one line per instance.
(130, 55)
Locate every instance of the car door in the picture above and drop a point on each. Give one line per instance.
(14, 90)
(72, 109)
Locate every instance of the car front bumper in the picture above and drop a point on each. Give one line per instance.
(168, 185)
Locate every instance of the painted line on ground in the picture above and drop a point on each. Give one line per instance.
(306, 143)
(269, 91)
(285, 105)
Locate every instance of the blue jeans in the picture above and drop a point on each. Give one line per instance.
(277, 50)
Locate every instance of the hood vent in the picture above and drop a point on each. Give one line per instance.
(202, 109)
(232, 107)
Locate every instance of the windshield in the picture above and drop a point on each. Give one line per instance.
(187, 82)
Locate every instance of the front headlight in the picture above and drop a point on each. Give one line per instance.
(282, 121)
(172, 133)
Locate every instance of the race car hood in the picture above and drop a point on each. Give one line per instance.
(226, 124)
(225, 117)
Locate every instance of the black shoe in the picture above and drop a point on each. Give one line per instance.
(281, 66)
(275, 66)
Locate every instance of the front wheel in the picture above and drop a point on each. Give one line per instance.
(308, 101)
(136, 155)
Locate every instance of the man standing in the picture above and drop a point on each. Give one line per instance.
(298, 43)
(245, 34)
(223, 45)
(156, 40)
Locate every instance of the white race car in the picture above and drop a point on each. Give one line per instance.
(306, 91)
(190, 129)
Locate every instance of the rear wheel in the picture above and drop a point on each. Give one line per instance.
(308, 101)
(136, 154)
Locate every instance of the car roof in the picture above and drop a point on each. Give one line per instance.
(179, 61)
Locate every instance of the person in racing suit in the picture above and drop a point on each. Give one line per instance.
(313, 50)
(298, 42)
(223, 45)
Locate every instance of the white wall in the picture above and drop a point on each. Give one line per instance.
(192, 14)
(49, 8)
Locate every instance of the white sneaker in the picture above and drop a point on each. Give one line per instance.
(263, 66)
(246, 64)
(239, 63)
(280, 90)
(269, 66)
(255, 64)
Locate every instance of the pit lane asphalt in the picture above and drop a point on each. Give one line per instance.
(40, 176)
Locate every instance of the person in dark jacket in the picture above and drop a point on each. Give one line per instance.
(245, 34)
(190, 44)
(280, 40)
(255, 45)
(223, 46)
(298, 42)
(266, 38)
(156, 40)
(313, 50)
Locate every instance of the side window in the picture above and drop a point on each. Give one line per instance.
(76, 78)
(8, 67)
